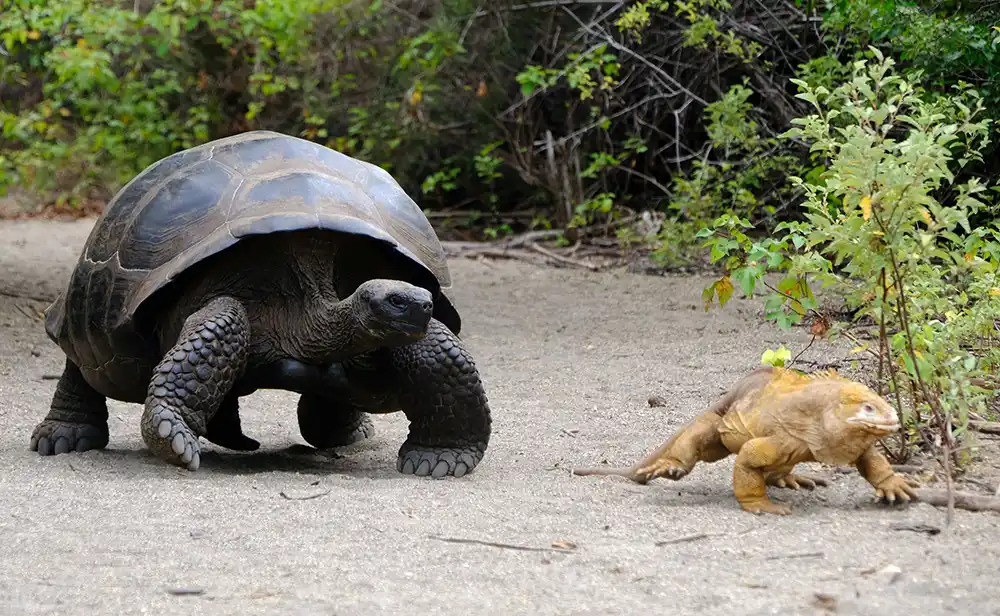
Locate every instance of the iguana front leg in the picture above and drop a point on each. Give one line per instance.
(756, 458)
(77, 419)
(889, 485)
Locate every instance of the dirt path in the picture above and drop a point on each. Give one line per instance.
(569, 360)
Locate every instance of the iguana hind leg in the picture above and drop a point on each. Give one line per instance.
(890, 486)
(749, 482)
(225, 429)
(77, 418)
(696, 441)
(193, 378)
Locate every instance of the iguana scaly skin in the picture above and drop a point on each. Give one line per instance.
(773, 419)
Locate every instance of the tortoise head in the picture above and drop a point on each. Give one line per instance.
(393, 310)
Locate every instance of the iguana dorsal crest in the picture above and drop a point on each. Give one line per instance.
(828, 373)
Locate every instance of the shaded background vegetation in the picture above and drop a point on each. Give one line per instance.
(509, 114)
(651, 125)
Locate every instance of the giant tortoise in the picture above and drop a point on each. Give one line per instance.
(255, 261)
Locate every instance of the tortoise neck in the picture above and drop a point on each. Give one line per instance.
(335, 331)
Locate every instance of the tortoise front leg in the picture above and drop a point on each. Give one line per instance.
(439, 390)
(192, 380)
(77, 419)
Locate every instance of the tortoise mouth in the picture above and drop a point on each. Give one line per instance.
(412, 328)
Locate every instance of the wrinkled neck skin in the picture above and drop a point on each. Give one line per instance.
(326, 328)
(336, 330)
(810, 415)
(842, 443)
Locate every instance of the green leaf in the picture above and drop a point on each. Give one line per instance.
(746, 277)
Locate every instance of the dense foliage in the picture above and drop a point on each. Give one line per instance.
(845, 143)
(876, 231)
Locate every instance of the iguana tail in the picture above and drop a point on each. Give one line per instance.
(633, 472)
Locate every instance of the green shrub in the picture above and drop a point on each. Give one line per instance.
(94, 91)
(878, 231)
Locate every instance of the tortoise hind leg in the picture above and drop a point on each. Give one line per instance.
(77, 418)
(194, 377)
(325, 422)
(225, 430)
(440, 392)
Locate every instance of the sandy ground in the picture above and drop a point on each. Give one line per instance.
(569, 360)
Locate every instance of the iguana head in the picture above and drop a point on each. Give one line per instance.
(863, 409)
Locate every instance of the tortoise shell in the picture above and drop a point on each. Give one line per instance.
(198, 202)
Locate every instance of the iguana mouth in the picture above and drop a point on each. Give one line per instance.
(890, 425)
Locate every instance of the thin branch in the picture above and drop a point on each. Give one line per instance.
(657, 70)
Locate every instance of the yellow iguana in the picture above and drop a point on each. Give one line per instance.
(773, 419)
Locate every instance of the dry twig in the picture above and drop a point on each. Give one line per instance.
(309, 497)
(986, 427)
(970, 501)
(494, 544)
(687, 539)
(560, 258)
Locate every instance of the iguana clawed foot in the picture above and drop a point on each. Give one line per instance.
(328, 422)
(663, 467)
(764, 505)
(895, 489)
(796, 482)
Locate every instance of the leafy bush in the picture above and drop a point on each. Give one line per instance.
(742, 173)
(948, 41)
(93, 91)
(656, 105)
(951, 43)
(877, 230)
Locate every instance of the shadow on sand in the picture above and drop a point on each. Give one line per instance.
(296, 458)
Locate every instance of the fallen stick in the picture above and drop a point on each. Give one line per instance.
(309, 497)
(969, 501)
(494, 544)
(562, 259)
(986, 427)
(796, 555)
(490, 252)
(478, 214)
(530, 237)
(18, 295)
(687, 538)
(907, 468)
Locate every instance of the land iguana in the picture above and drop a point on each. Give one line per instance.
(773, 419)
